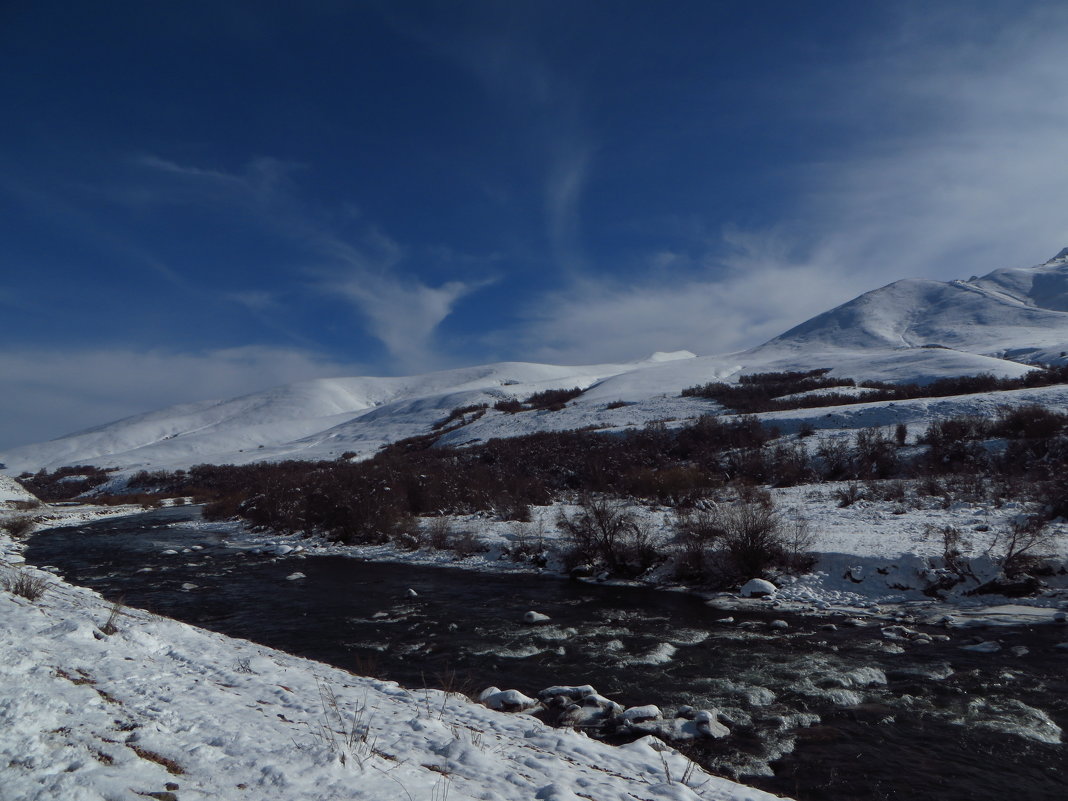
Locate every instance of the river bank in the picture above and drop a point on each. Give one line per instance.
(99, 701)
(805, 697)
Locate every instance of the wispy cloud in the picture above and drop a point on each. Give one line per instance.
(564, 183)
(404, 316)
(507, 52)
(961, 167)
(365, 268)
(257, 300)
(971, 173)
(717, 305)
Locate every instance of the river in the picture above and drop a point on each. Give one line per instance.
(817, 711)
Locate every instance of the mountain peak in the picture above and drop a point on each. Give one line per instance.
(1060, 258)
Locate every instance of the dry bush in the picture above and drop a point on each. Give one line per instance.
(849, 495)
(439, 534)
(605, 531)
(740, 539)
(18, 527)
(1020, 542)
(466, 543)
(26, 584)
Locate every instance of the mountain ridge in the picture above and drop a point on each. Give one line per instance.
(914, 330)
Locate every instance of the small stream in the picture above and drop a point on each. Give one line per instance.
(817, 713)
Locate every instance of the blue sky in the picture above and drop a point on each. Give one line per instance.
(201, 199)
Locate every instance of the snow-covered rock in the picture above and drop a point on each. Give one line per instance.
(507, 700)
(757, 588)
(637, 714)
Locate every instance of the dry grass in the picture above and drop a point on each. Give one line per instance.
(169, 764)
(26, 584)
(18, 526)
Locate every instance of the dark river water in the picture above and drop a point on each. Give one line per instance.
(815, 713)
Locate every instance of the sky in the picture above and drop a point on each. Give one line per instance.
(204, 199)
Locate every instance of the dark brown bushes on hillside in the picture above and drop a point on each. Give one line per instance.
(761, 392)
(65, 483)
(552, 400)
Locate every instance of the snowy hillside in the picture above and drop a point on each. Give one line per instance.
(1011, 313)
(908, 331)
(11, 490)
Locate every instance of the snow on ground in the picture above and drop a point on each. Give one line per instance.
(11, 492)
(161, 709)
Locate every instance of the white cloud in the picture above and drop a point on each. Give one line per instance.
(255, 299)
(972, 174)
(564, 183)
(404, 315)
(366, 268)
(966, 171)
(751, 296)
(49, 393)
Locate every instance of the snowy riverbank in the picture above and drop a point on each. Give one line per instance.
(161, 709)
(873, 557)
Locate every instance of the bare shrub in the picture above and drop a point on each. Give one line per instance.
(476, 410)
(953, 444)
(954, 544)
(606, 531)
(835, 459)
(741, 539)
(439, 533)
(876, 454)
(111, 626)
(849, 495)
(901, 434)
(26, 584)
(407, 540)
(1019, 542)
(530, 546)
(789, 465)
(18, 527)
(886, 490)
(1029, 422)
(467, 543)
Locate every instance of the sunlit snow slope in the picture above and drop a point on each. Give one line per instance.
(910, 330)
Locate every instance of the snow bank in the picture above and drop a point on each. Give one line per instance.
(162, 707)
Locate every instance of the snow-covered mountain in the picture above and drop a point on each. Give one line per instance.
(910, 330)
(1016, 314)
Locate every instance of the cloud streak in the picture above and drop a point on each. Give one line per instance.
(398, 308)
(404, 316)
(962, 169)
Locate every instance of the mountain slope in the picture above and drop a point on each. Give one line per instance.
(1011, 313)
(911, 330)
(289, 421)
